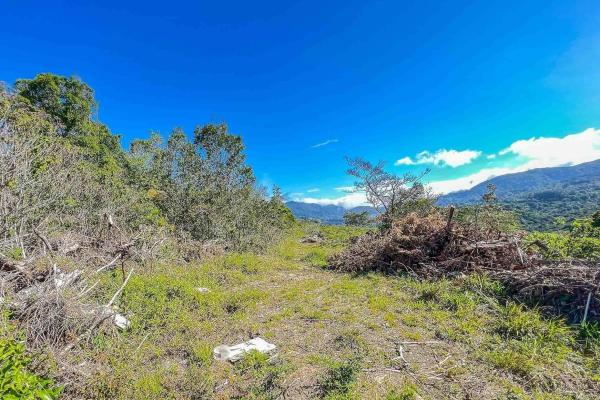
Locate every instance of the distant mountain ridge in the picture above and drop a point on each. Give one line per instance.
(517, 184)
(539, 196)
(327, 214)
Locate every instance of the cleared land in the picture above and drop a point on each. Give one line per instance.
(338, 335)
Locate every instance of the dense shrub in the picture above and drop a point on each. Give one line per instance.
(204, 187)
(17, 381)
(69, 169)
(582, 241)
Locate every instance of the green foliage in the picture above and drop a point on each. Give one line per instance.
(582, 241)
(529, 344)
(16, 379)
(339, 379)
(569, 202)
(408, 392)
(489, 214)
(589, 335)
(283, 213)
(69, 100)
(205, 188)
(167, 353)
(200, 188)
(267, 375)
(352, 218)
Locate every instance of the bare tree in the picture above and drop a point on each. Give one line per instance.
(390, 195)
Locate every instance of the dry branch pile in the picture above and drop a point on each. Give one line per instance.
(51, 292)
(434, 247)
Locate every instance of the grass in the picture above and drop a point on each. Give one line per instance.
(338, 336)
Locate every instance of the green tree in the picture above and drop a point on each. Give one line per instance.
(352, 218)
(596, 219)
(279, 207)
(489, 214)
(205, 188)
(67, 99)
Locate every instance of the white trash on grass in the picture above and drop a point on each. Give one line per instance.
(203, 289)
(235, 353)
(118, 319)
(121, 321)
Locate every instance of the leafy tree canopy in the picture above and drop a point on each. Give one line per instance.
(67, 99)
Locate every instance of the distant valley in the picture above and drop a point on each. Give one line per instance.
(327, 214)
(539, 196)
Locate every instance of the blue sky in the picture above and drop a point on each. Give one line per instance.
(307, 83)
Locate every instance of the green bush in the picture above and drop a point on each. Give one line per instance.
(582, 241)
(16, 380)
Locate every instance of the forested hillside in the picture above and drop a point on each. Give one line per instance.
(540, 196)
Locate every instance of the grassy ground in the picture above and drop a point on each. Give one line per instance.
(338, 336)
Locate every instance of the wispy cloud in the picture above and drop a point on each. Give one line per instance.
(540, 152)
(313, 190)
(346, 189)
(347, 201)
(325, 143)
(451, 158)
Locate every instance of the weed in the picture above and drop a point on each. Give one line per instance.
(407, 392)
(266, 376)
(339, 378)
(589, 333)
(326, 326)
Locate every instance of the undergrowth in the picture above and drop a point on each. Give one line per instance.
(338, 336)
(17, 379)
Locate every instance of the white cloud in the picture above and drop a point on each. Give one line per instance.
(325, 143)
(347, 201)
(491, 156)
(451, 158)
(542, 152)
(405, 161)
(346, 189)
(467, 182)
(313, 190)
(572, 149)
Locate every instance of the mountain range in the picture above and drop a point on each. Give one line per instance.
(327, 214)
(539, 196)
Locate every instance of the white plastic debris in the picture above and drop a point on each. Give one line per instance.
(121, 321)
(235, 353)
(203, 289)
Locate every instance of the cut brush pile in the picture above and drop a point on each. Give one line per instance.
(434, 247)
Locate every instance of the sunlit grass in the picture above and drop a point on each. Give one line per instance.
(337, 334)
